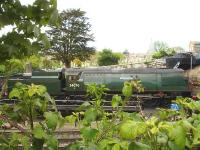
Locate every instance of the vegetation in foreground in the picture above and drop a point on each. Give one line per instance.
(100, 130)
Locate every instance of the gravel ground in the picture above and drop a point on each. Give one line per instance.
(148, 112)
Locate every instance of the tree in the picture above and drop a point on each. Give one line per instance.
(107, 57)
(70, 40)
(26, 37)
(161, 49)
(160, 45)
(178, 49)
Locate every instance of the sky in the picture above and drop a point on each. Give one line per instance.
(134, 25)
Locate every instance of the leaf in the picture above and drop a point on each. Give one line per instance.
(29, 28)
(15, 93)
(38, 103)
(51, 119)
(38, 132)
(52, 142)
(36, 31)
(73, 146)
(71, 119)
(152, 121)
(172, 145)
(131, 129)
(44, 40)
(90, 115)
(116, 147)
(14, 141)
(37, 144)
(103, 143)
(61, 121)
(25, 142)
(41, 90)
(32, 90)
(124, 145)
(116, 100)
(198, 95)
(186, 124)
(4, 140)
(88, 133)
(127, 89)
(178, 135)
(196, 133)
(162, 138)
(84, 106)
(138, 146)
(91, 146)
(54, 17)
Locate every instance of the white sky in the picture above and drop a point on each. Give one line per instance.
(133, 24)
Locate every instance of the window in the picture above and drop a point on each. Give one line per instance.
(73, 78)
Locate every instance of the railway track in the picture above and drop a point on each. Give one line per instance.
(67, 106)
(64, 136)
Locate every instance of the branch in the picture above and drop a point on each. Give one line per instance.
(13, 124)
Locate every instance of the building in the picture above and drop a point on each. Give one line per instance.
(194, 47)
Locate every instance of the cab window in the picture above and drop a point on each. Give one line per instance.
(73, 78)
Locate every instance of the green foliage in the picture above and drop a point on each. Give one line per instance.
(50, 63)
(100, 130)
(42, 62)
(26, 37)
(12, 66)
(169, 129)
(8, 68)
(70, 40)
(51, 120)
(138, 146)
(35, 61)
(161, 49)
(127, 89)
(33, 102)
(132, 129)
(2, 69)
(96, 91)
(116, 101)
(14, 142)
(163, 53)
(159, 45)
(88, 133)
(107, 57)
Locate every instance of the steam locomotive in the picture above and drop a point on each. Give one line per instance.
(160, 85)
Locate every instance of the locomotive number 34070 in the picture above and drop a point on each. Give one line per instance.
(74, 85)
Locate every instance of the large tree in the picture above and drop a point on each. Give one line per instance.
(70, 40)
(107, 57)
(26, 36)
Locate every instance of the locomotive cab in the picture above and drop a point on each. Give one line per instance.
(71, 81)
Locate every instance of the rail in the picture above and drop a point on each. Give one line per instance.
(64, 136)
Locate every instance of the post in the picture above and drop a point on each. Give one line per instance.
(191, 61)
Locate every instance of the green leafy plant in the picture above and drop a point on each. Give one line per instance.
(33, 101)
(100, 129)
(167, 130)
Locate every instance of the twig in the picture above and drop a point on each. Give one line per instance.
(13, 124)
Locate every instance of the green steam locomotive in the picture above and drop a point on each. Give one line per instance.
(159, 84)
